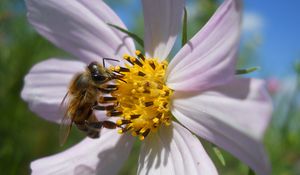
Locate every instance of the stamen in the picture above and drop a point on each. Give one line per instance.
(151, 63)
(136, 61)
(142, 137)
(114, 113)
(106, 99)
(141, 74)
(120, 69)
(127, 58)
(150, 103)
(135, 116)
(122, 122)
(140, 55)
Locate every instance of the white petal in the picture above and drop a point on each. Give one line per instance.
(174, 150)
(209, 58)
(80, 27)
(162, 20)
(233, 116)
(104, 156)
(46, 85)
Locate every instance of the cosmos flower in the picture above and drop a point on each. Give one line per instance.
(198, 88)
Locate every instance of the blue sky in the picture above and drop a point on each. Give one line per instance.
(280, 31)
(276, 22)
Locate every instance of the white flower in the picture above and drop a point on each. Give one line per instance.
(208, 98)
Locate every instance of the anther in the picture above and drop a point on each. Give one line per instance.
(140, 73)
(135, 116)
(165, 104)
(107, 99)
(123, 130)
(143, 130)
(122, 122)
(142, 137)
(151, 63)
(147, 91)
(150, 103)
(140, 55)
(121, 69)
(127, 58)
(159, 115)
(136, 61)
(114, 113)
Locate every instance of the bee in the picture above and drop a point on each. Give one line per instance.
(82, 97)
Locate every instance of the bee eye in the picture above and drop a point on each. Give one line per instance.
(98, 78)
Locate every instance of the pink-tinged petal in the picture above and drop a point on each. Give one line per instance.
(105, 155)
(80, 27)
(162, 20)
(174, 150)
(209, 58)
(46, 85)
(233, 116)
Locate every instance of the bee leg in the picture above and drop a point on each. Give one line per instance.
(107, 90)
(109, 125)
(93, 129)
(109, 86)
(114, 113)
(81, 126)
(96, 126)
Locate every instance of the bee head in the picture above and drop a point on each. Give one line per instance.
(97, 73)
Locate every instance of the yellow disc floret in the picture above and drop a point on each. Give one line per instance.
(142, 95)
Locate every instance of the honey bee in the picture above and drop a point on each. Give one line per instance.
(82, 97)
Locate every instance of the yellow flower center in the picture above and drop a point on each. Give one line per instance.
(143, 99)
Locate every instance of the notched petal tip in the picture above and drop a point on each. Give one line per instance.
(209, 58)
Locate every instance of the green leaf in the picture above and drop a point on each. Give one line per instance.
(132, 35)
(246, 71)
(218, 153)
(251, 172)
(184, 28)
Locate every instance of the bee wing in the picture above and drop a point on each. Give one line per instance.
(65, 128)
(66, 122)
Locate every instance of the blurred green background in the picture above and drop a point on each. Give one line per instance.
(25, 137)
